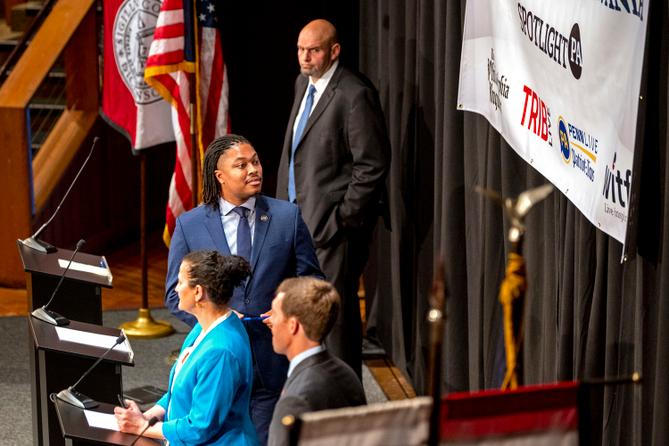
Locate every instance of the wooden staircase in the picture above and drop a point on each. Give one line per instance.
(22, 14)
(49, 100)
(8, 40)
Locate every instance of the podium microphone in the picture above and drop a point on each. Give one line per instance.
(33, 241)
(51, 317)
(152, 421)
(78, 399)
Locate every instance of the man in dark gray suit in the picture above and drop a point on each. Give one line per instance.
(303, 312)
(335, 159)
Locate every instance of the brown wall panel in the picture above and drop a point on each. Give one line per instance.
(14, 196)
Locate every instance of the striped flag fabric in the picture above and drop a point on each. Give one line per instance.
(179, 56)
(212, 77)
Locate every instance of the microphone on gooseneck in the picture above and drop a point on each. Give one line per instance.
(49, 316)
(71, 396)
(152, 421)
(33, 241)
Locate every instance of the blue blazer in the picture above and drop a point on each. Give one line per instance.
(209, 401)
(282, 248)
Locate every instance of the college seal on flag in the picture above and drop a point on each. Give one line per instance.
(132, 34)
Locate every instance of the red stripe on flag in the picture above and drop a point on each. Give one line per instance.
(169, 31)
(213, 99)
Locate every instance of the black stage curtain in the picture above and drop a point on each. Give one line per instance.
(588, 315)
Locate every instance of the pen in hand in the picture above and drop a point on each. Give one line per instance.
(254, 318)
(120, 400)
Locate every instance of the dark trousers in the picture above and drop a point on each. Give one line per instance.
(343, 260)
(262, 407)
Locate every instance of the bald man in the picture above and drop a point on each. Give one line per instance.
(336, 155)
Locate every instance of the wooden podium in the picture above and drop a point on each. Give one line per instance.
(80, 295)
(56, 364)
(77, 432)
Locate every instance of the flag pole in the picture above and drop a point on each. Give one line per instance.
(194, 149)
(145, 327)
(194, 110)
(436, 319)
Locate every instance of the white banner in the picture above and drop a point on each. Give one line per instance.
(560, 81)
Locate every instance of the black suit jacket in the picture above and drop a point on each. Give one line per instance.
(342, 159)
(320, 382)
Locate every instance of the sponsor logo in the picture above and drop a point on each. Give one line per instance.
(616, 190)
(536, 115)
(554, 44)
(565, 150)
(132, 34)
(498, 86)
(578, 147)
(634, 7)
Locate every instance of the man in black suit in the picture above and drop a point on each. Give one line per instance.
(303, 312)
(334, 163)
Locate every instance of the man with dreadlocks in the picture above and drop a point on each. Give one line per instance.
(236, 219)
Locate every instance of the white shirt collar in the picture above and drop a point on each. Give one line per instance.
(213, 325)
(227, 207)
(324, 80)
(304, 355)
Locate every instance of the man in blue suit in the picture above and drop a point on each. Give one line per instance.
(235, 219)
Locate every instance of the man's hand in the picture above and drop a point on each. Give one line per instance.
(268, 320)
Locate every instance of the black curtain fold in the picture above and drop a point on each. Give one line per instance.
(587, 314)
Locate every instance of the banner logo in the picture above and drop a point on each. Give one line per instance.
(565, 150)
(636, 9)
(616, 190)
(578, 147)
(552, 42)
(132, 34)
(575, 51)
(498, 86)
(538, 115)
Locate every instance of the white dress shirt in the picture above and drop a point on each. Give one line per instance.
(304, 355)
(320, 85)
(230, 221)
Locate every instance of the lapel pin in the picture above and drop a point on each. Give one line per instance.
(264, 217)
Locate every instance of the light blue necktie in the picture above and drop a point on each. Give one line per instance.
(243, 233)
(292, 194)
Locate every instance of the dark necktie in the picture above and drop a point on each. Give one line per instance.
(301, 125)
(243, 233)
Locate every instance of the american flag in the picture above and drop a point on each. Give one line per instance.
(169, 67)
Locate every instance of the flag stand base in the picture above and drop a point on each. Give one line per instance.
(145, 327)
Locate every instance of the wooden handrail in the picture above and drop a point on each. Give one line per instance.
(18, 50)
(69, 30)
(40, 56)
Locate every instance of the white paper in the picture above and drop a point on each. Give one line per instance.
(102, 270)
(101, 420)
(93, 339)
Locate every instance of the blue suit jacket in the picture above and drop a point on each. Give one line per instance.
(209, 401)
(282, 248)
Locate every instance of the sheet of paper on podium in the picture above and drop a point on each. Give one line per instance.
(93, 339)
(102, 270)
(101, 420)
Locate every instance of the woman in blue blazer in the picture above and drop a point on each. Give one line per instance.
(207, 401)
